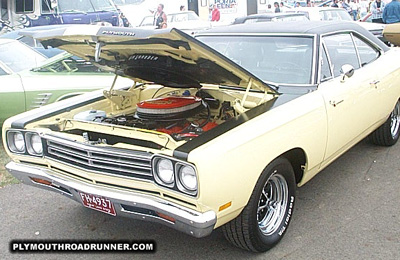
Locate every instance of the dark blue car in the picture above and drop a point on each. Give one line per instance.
(102, 12)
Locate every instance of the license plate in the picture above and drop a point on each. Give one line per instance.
(97, 203)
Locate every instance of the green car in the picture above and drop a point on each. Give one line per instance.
(62, 76)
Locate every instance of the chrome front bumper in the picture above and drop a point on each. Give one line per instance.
(126, 203)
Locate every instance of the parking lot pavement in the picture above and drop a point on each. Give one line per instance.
(350, 210)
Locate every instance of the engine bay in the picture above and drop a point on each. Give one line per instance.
(183, 116)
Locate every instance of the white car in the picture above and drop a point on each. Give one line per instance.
(337, 14)
(187, 21)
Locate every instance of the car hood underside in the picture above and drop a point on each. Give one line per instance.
(168, 57)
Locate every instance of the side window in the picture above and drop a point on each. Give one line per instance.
(46, 6)
(23, 6)
(325, 68)
(341, 51)
(365, 51)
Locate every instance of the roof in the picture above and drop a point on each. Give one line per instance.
(5, 40)
(265, 16)
(317, 8)
(296, 27)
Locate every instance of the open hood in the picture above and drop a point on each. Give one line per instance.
(168, 57)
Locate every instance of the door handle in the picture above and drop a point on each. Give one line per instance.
(335, 103)
(374, 82)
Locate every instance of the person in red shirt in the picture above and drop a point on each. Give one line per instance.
(215, 15)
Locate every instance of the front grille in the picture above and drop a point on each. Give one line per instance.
(103, 160)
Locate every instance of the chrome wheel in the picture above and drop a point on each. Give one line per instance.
(395, 120)
(272, 204)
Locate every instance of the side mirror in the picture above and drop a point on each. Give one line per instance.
(346, 71)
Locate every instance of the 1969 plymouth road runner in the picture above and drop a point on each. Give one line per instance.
(216, 131)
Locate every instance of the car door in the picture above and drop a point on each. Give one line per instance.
(349, 101)
(12, 97)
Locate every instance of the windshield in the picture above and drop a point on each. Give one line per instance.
(335, 15)
(85, 6)
(277, 59)
(18, 56)
(182, 17)
(128, 2)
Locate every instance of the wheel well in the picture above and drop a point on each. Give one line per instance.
(297, 159)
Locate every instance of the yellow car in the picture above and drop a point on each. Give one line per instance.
(218, 130)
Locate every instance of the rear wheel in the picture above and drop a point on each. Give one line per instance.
(388, 133)
(266, 217)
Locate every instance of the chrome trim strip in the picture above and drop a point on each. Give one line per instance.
(189, 221)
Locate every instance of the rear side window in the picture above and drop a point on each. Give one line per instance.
(2, 72)
(365, 51)
(341, 51)
(23, 6)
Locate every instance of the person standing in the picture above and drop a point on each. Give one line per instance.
(160, 18)
(282, 7)
(354, 9)
(391, 13)
(363, 8)
(276, 5)
(215, 15)
(377, 8)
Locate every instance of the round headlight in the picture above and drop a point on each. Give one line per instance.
(19, 142)
(35, 144)
(188, 178)
(165, 171)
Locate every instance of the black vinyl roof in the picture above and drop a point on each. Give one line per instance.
(296, 27)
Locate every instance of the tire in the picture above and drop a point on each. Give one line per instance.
(260, 230)
(388, 133)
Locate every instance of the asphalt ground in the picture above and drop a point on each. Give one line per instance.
(350, 210)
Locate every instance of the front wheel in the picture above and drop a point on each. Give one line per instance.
(266, 217)
(388, 133)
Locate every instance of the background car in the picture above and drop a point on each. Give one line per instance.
(20, 35)
(392, 34)
(271, 17)
(16, 56)
(338, 14)
(58, 78)
(187, 21)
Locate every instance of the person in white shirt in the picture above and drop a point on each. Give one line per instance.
(363, 4)
(354, 9)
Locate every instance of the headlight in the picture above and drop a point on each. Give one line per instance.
(164, 171)
(187, 179)
(34, 144)
(176, 175)
(16, 142)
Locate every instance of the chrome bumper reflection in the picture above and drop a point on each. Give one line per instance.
(128, 204)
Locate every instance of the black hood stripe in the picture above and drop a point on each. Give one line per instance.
(46, 113)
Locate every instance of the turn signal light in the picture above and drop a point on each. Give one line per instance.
(44, 182)
(166, 217)
(225, 206)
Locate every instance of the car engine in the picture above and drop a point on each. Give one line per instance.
(182, 117)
